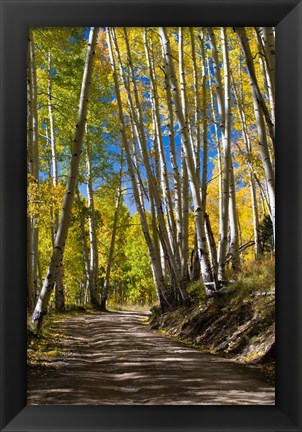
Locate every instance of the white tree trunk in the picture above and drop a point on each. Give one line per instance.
(224, 110)
(268, 38)
(267, 80)
(57, 254)
(197, 114)
(154, 258)
(247, 156)
(93, 261)
(84, 246)
(199, 217)
(234, 224)
(59, 286)
(33, 166)
(180, 181)
(219, 156)
(137, 118)
(242, 36)
(260, 109)
(266, 160)
(158, 143)
(105, 288)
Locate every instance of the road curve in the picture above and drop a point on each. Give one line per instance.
(114, 359)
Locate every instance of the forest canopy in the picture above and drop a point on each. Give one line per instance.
(151, 163)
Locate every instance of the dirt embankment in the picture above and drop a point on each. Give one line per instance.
(238, 327)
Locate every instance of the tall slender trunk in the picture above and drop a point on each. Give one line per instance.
(233, 218)
(158, 143)
(94, 261)
(266, 161)
(84, 244)
(268, 38)
(242, 36)
(255, 217)
(198, 216)
(33, 165)
(224, 109)
(154, 261)
(30, 283)
(262, 138)
(219, 159)
(58, 250)
(266, 75)
(30, 275)
(247, 156)
(105, 288)
(59, 286)
(180, 181)
(185, 221)
(212, 245)
(138, 126)
(197, 109)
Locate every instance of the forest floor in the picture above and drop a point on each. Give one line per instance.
(113, 358)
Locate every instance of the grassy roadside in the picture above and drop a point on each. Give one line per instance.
(239, 325)
(48, 346)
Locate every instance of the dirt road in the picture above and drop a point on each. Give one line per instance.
(115, 359)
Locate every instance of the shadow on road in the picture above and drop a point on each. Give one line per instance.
(114, 359)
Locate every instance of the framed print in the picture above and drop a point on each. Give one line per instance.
(19, 16)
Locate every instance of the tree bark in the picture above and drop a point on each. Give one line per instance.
(163, 172)
(224, 109)
(180, 181)
(247, 156)
(268, 38)
(138, 126)
(59, 286)
(242, 36)
(234, 232)
(58, 250)
(105, 288)
(198, 216)
(154, 259)
(84, 245)
(33, 167)
(93, 261)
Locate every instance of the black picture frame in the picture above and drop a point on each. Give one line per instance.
(16, 16)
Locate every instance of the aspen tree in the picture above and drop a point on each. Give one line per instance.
(268, 38)
(105, 288)
(195, 148)
(224, 110)
(248, 157)
(154, 259)
(233, 221)
(58, 250)
(199, 217)
(164, 180)
(138, 126)
(180, 182)
(86, 257)
(229, 170)
(197, 108)
(207, 224)
(59, 287)
(266, 76)
(33, 156)
(220, 185)
(30, 267)
(242, 36)
(260, 110)
(93, 247)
